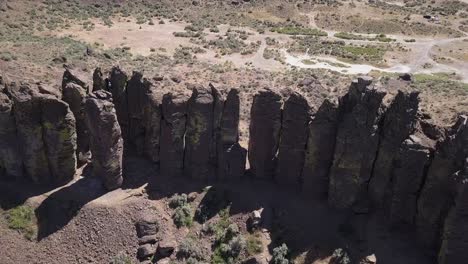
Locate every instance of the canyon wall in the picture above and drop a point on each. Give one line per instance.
(359, 154)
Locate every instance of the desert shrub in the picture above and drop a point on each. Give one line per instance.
(7, 56)
(254, 244)
(190, 249)
(183, 216)
(23, 219)
(290, 30)
(121, 258)
(280, 255)
(178, 200)
(228, 246)
(340, 256)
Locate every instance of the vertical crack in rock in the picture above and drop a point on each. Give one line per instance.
(99, 83)
(319, 151)
(435, 199)
(118, 84)
(174, 118)
(218, 108)
(293, 141)
(199, 133)
(152, 122)
(136, 100)
(231, 156)
(398, 124)
(361, 111)
(265, 126)
(106, 139)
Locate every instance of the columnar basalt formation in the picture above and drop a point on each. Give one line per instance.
(99, 82)
(152, 123)
(231, 156)
(118, 85)
(174, 118)
(436, 195)
(265, 126)
(319, 150)
(357, 141)
(398, 124)
(199, 135)
(293, 141)
(106, 139)
(10, 157)
(136, 99)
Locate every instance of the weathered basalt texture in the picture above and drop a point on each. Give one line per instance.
(136, 100)
(11, 164)
(70, 76)
(59, 135)
(265, 126)
(409, 169)
(118, 84)
(231, 156)
(319, 151)
(435, 199)
(199, 135)
(357, 140)
(218, 108)
(174, 111)
(99, 82)
(293, 141)
(398, 124)
(152, 122)
(106, 139)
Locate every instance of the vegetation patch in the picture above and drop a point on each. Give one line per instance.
(22, 219)
(182, 210)
(290, 30)
(350, 36)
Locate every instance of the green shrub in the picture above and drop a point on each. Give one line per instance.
(290, 30)
(178, 200)
(23, 219)
(279, 255)
(183, 216)
(190, 249)
(121, 258)
(254, 244)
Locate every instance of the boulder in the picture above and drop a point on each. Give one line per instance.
(150, 239)
(147, 226)
(320, 150)
(357, 140)
(174, 110)
(27, 112)
(75, 95)
(409, 168)
(106, 139)
(166, 248)
(398, 124)
(265, 126)
(60, 139)
(293, 141)
(99, 82)
(11, 164)
(136, 100)
(436, 195)
(231, 156)
(152, 123)
(71, 76)
(146, 251)
(118, 84)
(198, 135)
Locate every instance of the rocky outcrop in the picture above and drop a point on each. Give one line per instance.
(199, 135)
(70, 76)
(408, 173)
(136, 100)
(174, 118)
(152, 123)
(293, 141)
(218, 108)
(398, 124)
(75, 95)
(11, 164)
(435, 199)
(106, 139)
(265, 126)
(231, 156)
(356, 144)
(99, 82)
(319, 150)
(118, 84)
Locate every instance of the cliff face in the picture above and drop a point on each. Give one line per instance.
(359, 154)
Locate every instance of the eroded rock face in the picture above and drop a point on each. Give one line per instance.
(11, 163)
(106, 139)
(174, 111)
(28, 118)
(59, 135)
(99, 82)
(265, 126)
(409, 168)
(75, 95)
(152, 123)
(398, 124)
(436, 195)
(319, 151)
(199, 135)
(70, 76)
(231, 156)
(218, 107)
(292, 146)
(356, 146)
(118, 84)
(136, 100)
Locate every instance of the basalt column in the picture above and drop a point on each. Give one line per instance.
(356, 144)
(10, 157)
(398, 124)
(152, 122)
(319, 151)
(436, 195)
(199, 135)
(292, 146)
(118, 84)
(231, 156)
(99, 83)
(106, 139)
(174, 118)
(265, 126)
(136, 99)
